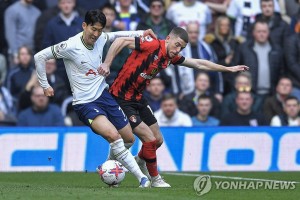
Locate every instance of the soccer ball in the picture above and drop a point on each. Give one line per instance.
(111, 172)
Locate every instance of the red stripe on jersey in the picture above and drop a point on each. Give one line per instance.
(144, 63)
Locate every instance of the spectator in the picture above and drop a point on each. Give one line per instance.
(188, 103)
(198, 49)
(225, 46)
(110, 13)
(156, 21)
(243, 13)
(290, 117)
(41, 113)
(274, 105)
(242, 83)
(295, 18)
(20, 20)
(3, 43)
(3, 68)
(154, 93)
(264, 58)
(127, 17)
(279, 29)
(243, 116)
(7, 111)
(187, 11)
(170, 115)
(18, 77)
(204, 107)
(218, 8)
(43, 20)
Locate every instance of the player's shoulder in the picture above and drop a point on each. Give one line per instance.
(149, 40)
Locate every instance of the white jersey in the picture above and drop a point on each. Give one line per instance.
(182, 15)
(81, 63)
(244, 11)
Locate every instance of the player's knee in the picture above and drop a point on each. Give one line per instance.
(129, 140)
(159, 142)
(113, 136)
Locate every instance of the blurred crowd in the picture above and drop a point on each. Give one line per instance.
(262, 34)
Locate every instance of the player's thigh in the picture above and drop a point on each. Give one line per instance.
(144, 132)
(102, 126)
(157, 134)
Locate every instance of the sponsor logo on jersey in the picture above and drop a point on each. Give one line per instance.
(146, 76)
(91, 72)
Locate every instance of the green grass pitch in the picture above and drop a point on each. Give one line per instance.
(86, 186)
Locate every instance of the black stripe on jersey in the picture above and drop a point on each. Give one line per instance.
(179, 61)
(137, 43)
(53, 52)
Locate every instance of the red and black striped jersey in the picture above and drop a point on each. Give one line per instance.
(144, 63)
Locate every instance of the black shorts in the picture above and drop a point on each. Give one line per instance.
(137, 111)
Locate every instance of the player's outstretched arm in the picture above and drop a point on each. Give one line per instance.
(115, 48)
(210, 66)
(114, 35)
(40, 59)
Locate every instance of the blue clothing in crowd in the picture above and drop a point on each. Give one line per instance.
(211, 121)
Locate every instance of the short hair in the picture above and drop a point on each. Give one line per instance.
(204, 96)
(94, 16)
(244, 92)
(266, 1)
(291, 98)
(260, 21)
(160, 1)
(110, 7)
(168, 96)
(181, 33)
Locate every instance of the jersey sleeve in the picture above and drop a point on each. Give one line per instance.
(61, 50)
(177, 60)
(146, 43)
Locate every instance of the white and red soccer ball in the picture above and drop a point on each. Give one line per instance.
(111, 172)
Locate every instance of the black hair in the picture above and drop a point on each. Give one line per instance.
(266, 1)
(204, 96)
(94, 16)
(291, 98)
(261, 21)
(181, 33)
(161, 1)
(110, 7)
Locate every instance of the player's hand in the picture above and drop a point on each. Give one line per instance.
(104, 69)
(49, 92)
(238, 68)
(150, 33)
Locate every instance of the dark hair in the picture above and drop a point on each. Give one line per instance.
(291, 98)
(180, 32)
(168, 96)
(266, 1)
(204, 96)
(94, 16)
(110, 7)
(161, 1)
(260, 21)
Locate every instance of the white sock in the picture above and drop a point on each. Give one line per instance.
(111, 156)
(126, 158)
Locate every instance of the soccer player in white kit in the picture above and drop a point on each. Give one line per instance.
(82, 55)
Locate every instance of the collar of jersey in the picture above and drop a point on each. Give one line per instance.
(84, 44)
(163, 48)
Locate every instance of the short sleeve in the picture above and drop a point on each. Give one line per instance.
(177, 60)
(146, 43)
(61, 50)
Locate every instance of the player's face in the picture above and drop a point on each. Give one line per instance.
(284, 87)
(91, 32)
(168, 107)
(267, 8)
(204, 106)
(174, 46)
(292, 108)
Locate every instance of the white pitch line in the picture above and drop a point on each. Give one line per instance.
(228, 177)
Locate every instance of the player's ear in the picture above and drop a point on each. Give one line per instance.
(168, 38)
(84, 25)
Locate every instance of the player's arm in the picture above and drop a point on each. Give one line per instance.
(114, 49)
(210, 66)
(114, 35)
(40, 59)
